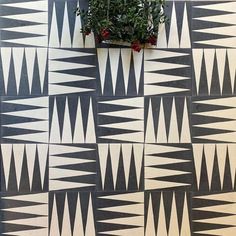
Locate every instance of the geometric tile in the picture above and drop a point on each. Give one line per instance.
(24, 167)
(71, 213)
(167, 120)
(177, 34)
(120, 213)
(214, 24)
(215, 167)
(72, 119)
(120, 119)
(120, 72)
(72, 167)
(25, 119)
(167, 72)
(214, 71)
(168, 167)
(23, 71)
(120, 167)
(167, 213)
(214, 214)
(24, 23)
(64, 25)
(214, 119)
(24, 214)
(72, 71)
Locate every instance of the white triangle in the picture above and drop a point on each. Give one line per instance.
(115, 150)
(34, 232)
(6, 54)
(66, 226)
(90, 132)
(57, 173)
(223, 42)
(161, 130)
(37, 125)
(232, 66)
(30, 156)
(54, 229)
(185, 130)
(6, 161)
(151, 184)
(42, 56)
(161, 226)
(137, 197)
(197, 62)
(90, 41)
(79, 129)
(65, 37)
(129, 137)
(39, 113)
(185, 225)
(39, 41)
(232, 161)
(55, 136)
(132, 102)
(221, 59)
(150, 132)
(18, 153)
(34, 137)
(173, 41)
(138, 155)
(78, 39)
(125, 232)
(30, 56)
(173, 136)
(90, 224)
(54, 35)
(197, 157)
(67, 131)
(221, 157)
(78, 227)
(162, 38)
(151, 149)
(66, 149)
(40, 210)
(228, 102)
(226, 6)
(126, 60)
(34, 101)
(114, 56)
(138, 61)
(150, 225)
(102, 54)
(127, 151)
(43, 157)
(229, 197)
(55, 185)
(174, 227)
(185, 41)
(40, 221)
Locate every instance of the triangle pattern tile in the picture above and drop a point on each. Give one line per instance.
(167, 72)
(167, 213)
(167, 120)
(214, 119)
(120, 72)
(215, 167)
(177, 33)
(25, 119)
(214, 71)
(24, 167)
(120, 213)
(120, 119)
(23, 71)
(72, 119)
(72, 167)
(72, 71)
(24, 23)
(214, 24)
(64, 26)
(168, 167)
(71, 213)
(24, 214)
(214, 214)
(120, 167)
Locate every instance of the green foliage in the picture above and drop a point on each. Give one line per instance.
(123, 20)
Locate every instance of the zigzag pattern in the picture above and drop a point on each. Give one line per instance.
(167, 120)
(120, 119)
(72, 71)
(215, 167)
(25, 214)
(24, 71)
(25, 119)
(120, 214)
(72, 167)
(120, 72)
(120, 166)
(64, 31)
(214, 214)
(167, 72)
(24, 23)
(214, 119)
(214, 71)
(67, 221)
(24, 167)
(168, 213)
(167, 167)
(177, 34)
(214, 24)
(68, 123)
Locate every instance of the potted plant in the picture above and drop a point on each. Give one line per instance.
(132, 21)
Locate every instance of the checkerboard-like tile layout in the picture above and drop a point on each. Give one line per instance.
(104, 141)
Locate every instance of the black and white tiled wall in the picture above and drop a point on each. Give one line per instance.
(104, 141)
